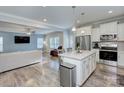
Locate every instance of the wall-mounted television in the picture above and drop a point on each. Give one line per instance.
(22, 39)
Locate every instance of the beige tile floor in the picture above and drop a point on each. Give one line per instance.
(47, 75)
(106, 76)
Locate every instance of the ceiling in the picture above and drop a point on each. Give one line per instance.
(62, 16)
(11, 27)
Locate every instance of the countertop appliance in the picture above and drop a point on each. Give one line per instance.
(84, 42)
(108, 37)
(108, 53)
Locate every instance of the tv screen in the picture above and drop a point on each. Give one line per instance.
(22, 39)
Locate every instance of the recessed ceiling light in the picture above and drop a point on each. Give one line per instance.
(45, 20)
(110, 12)
(28, 33)
(78, 21)
(43, 6)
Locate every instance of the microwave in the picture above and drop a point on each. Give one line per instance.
(108, 37)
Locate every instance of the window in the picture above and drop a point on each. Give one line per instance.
(39, 42)
(1, 44)
(54, 42)
(51, 42)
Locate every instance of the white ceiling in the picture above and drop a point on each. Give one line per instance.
(10, 27)
(62, 16)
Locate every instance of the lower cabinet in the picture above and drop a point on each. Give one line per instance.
(87, 69)
(84, 67)
(97, 55)
(94, 61)
(89, 65)
(121, 59)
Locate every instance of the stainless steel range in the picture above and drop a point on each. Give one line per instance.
(108, 51)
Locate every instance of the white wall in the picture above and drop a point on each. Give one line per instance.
(9, 61)
(66, 39)
(53, 34)
(71, 39)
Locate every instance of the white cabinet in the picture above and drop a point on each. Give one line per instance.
(121, 32)
(97, 55)
(89, 65)
(78, 33)
(121, 54)
(121, 59)
(84, 31)
(95, 35)
(93, 61)
(108, 28)
(84, 66)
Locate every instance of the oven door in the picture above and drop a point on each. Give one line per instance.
(108, 55)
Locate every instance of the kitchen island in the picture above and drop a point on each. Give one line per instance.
(85, 64)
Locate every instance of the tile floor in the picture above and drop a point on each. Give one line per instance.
(46, 74)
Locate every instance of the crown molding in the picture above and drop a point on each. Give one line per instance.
(5, 17)
(10, 29)
(98, 22)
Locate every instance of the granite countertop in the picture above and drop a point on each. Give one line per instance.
(77, 56)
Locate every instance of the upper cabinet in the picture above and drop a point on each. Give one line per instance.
(108, 28)
(84, 31)
(121, 32)
(95, 35)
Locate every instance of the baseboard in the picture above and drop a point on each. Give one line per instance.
(120, 66)
(19, 67)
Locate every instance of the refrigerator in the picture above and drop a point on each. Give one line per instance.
(84, 42)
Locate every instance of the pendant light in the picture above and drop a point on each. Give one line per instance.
(28, 31)
(73, 28)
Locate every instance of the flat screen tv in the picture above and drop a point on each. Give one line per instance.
(22, 39)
